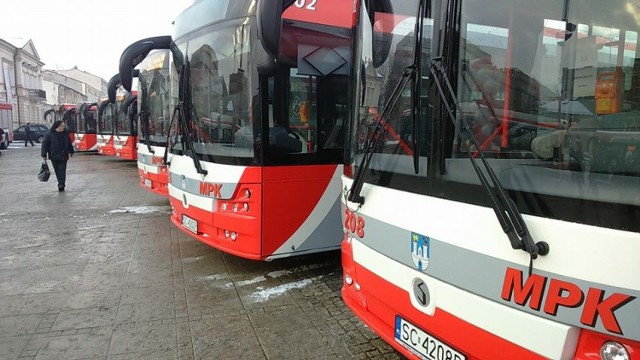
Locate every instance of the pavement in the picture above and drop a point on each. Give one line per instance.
(99, 272)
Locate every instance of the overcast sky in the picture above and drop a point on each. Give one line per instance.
(89, 34)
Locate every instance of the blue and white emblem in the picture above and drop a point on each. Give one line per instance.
(184, 182)
(420, 251)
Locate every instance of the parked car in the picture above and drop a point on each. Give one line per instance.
(37, 132)
(5, 139)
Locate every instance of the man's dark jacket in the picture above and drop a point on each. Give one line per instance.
(56, 145)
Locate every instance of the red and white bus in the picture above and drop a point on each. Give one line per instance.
(6, 124)
(125, 127)
(501, 219)
(107, 113)
(155, 117)
(126, 138)
(257, 156)
(86, 119)
(66, 113)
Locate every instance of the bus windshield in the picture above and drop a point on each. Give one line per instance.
(154, 90)
(549, 91)
(87, 119)
(106, 120)
(123, 124)
(219, 92)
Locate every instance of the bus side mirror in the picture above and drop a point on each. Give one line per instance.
(114, 83)
(269, 14)
(383, 38)
(136, 52)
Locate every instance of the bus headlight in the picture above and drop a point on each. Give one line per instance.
(612, 350)
(348, 279)
(224, 206)
(247, 193)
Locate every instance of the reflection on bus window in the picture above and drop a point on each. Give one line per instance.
(392, 162)
(220, 93)
(553, 103)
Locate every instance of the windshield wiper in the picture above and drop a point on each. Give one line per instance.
(372, 143)
(143, 116)
(417, 84)
(145, 134)
(186, 134)
(505, 209)
(410, 72)
(169, 145)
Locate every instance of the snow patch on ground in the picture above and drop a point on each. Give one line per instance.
(265, 294)
(142, 210)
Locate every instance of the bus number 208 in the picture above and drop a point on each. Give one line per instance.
(354, 223)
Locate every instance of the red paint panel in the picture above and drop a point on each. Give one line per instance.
(108, 148)
(128, 150)
(290, 194)
(326, 12)
(212, 226)
(88, 141)
(590, 342)
(384, 301)
(159, 182)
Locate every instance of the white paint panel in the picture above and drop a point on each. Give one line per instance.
(547, 338)
(201, 202)
(217, 173)
(579, 251)
(143, 150)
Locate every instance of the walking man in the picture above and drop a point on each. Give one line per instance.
(57, 147)
(28, 135)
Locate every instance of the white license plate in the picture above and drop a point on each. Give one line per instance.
(190, 224)
(423, 344)
(147, 183)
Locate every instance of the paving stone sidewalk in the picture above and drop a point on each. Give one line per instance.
(98, 272)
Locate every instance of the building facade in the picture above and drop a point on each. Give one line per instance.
(61, 89)
(94, 87)
(21, 93)
(27, 91)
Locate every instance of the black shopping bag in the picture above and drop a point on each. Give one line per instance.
(44, 173)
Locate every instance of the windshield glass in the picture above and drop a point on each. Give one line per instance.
(155, 97)
(549, 90)
(105, 122)
(90, 121)
(123, 121)
(80, 118)
(70, 118)
(220, 93)
(555, 99)
(388, 41)
(87, 125)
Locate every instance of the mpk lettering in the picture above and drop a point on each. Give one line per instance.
(207, 189)
(594, 304)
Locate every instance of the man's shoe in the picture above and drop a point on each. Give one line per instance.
(60, 188)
